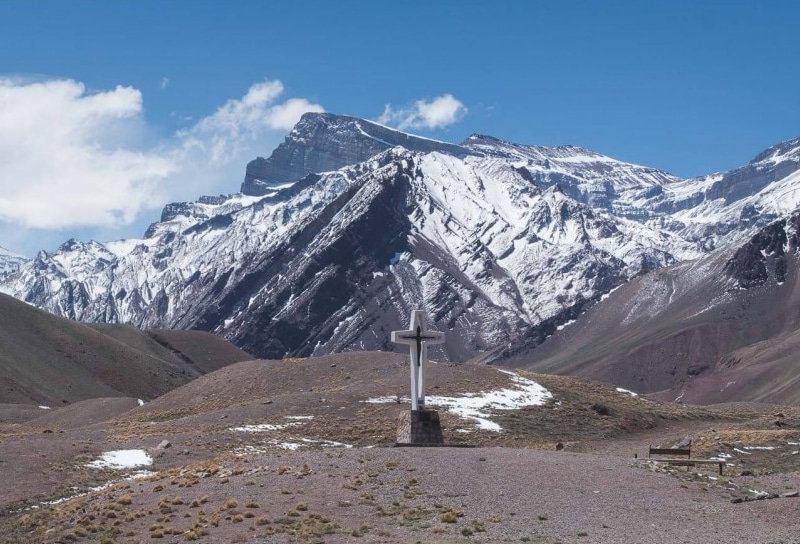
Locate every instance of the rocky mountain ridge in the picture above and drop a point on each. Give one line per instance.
(502, 243)
(10, 261)
(323, 142)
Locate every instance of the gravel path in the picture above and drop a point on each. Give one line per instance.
(550, 496)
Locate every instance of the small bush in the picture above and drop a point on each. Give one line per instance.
(449, 517)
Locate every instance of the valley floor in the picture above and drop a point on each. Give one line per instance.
(415, 494)
(297, 455)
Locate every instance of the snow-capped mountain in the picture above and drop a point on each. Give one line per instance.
(10, 261)
(348, 225)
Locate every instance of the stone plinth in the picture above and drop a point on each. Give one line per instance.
(419, 427)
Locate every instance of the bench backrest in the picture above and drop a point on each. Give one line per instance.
(670, 451)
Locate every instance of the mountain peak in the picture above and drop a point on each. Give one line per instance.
(322, 142)
(476, 138)
(788, 150)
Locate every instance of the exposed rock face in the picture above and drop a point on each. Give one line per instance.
(331, 279)
(323, 142)
(748, 266)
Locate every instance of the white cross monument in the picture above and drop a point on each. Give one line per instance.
(418, 338)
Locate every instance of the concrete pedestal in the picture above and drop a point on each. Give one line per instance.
(419, 427)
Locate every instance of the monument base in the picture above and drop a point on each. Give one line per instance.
(419, 428)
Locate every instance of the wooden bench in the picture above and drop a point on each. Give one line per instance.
(679, 452)
(669, 451)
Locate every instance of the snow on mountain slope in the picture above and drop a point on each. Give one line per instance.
(722, 328)
(10, 261)
(153, 281)
(589, 177)
(516, 239)
(501, 243)
(722, 208)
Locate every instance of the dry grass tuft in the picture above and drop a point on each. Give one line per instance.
(125, 500)
(451, 516)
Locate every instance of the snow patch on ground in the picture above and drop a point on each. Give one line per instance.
(264, 427)
(270, 444)
(626, 391)
(758, 493)
(567, 324)
(121, 459)
(133, 476)
(290, 444)
(478, 405)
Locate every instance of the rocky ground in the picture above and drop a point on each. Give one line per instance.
(569, 470)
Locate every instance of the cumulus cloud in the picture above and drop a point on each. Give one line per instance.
(239, 123)
(440, 112)
(74, 158)
(60, 157)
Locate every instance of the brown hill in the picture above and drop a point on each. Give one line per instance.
(329, 396)
(50, 360)
(82, 414)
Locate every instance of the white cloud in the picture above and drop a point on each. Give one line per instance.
(74, 159)
(164, 83)
(239, 123)
(438, 113)
(60, 159)
(285, 116)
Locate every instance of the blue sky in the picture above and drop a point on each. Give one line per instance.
(139, 103)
